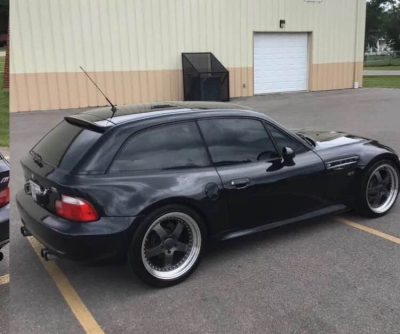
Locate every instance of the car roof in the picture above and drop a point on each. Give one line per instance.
(102, 118)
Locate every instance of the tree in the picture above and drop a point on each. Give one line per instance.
(391, 24)
(4, 12)
(383, 21)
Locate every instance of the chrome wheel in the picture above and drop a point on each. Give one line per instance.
(382, 188)
(171, 245)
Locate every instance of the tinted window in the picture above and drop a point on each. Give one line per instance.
(64, 145)
(167, 147)
(237, 141)
(283, 140)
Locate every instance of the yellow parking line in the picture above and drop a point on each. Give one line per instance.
(81, 312)
(4, 279)
(370, 230)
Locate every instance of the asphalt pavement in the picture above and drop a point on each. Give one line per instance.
(319, 276)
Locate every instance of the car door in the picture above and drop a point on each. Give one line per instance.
(163, 164)
(261, 188)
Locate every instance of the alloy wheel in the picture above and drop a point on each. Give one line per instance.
(171, 245)
(382, 188)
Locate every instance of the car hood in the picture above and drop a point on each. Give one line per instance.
(326, 139)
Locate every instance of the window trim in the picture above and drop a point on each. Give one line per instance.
(150, 128)
(289, 134)
(262, 121)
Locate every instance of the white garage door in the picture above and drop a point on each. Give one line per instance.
(280, 62)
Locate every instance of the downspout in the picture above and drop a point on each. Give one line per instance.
(355, 83)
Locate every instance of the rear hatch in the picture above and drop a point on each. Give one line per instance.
(55, 158)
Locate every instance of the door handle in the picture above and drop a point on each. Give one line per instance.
(240, 183)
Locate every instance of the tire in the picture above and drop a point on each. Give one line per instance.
(176, 237)
(385, 186)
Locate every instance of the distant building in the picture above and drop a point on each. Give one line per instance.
(133, 49)
(381, 47)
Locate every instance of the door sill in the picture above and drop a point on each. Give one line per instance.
(314, 214)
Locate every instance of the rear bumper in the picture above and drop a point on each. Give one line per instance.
(84, 242)
(4, 225)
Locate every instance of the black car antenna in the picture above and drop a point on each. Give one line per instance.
(113, 107)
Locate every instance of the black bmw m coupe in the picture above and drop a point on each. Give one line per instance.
(154, 182)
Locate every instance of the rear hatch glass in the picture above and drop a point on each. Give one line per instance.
(65, 145)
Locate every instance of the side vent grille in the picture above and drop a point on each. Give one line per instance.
(341, 164)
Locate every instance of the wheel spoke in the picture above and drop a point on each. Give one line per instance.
(154, 251)
(378, 176)
(371, 198)
(386, 180)
(168, 260)
(373, 190)
(178, 230)
(377, 200)
(162, 233)
(181, 247)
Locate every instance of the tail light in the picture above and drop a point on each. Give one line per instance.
(5, 197)
(76, 209)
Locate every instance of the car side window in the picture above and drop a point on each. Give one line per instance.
(233, 141)
(167, 147)
(282, 140)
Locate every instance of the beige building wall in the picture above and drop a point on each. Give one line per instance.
(132, 48)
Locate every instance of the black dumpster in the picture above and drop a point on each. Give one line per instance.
(204, 77)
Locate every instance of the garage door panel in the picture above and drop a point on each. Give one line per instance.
(280, 62)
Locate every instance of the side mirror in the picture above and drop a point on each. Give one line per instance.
(288, 154)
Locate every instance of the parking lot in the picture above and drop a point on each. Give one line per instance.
(321, 276)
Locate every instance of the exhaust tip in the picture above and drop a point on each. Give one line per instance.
(43, 252)
(25, 232)
(48, 255)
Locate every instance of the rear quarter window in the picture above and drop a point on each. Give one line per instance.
(162, 148)
(65, 145)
